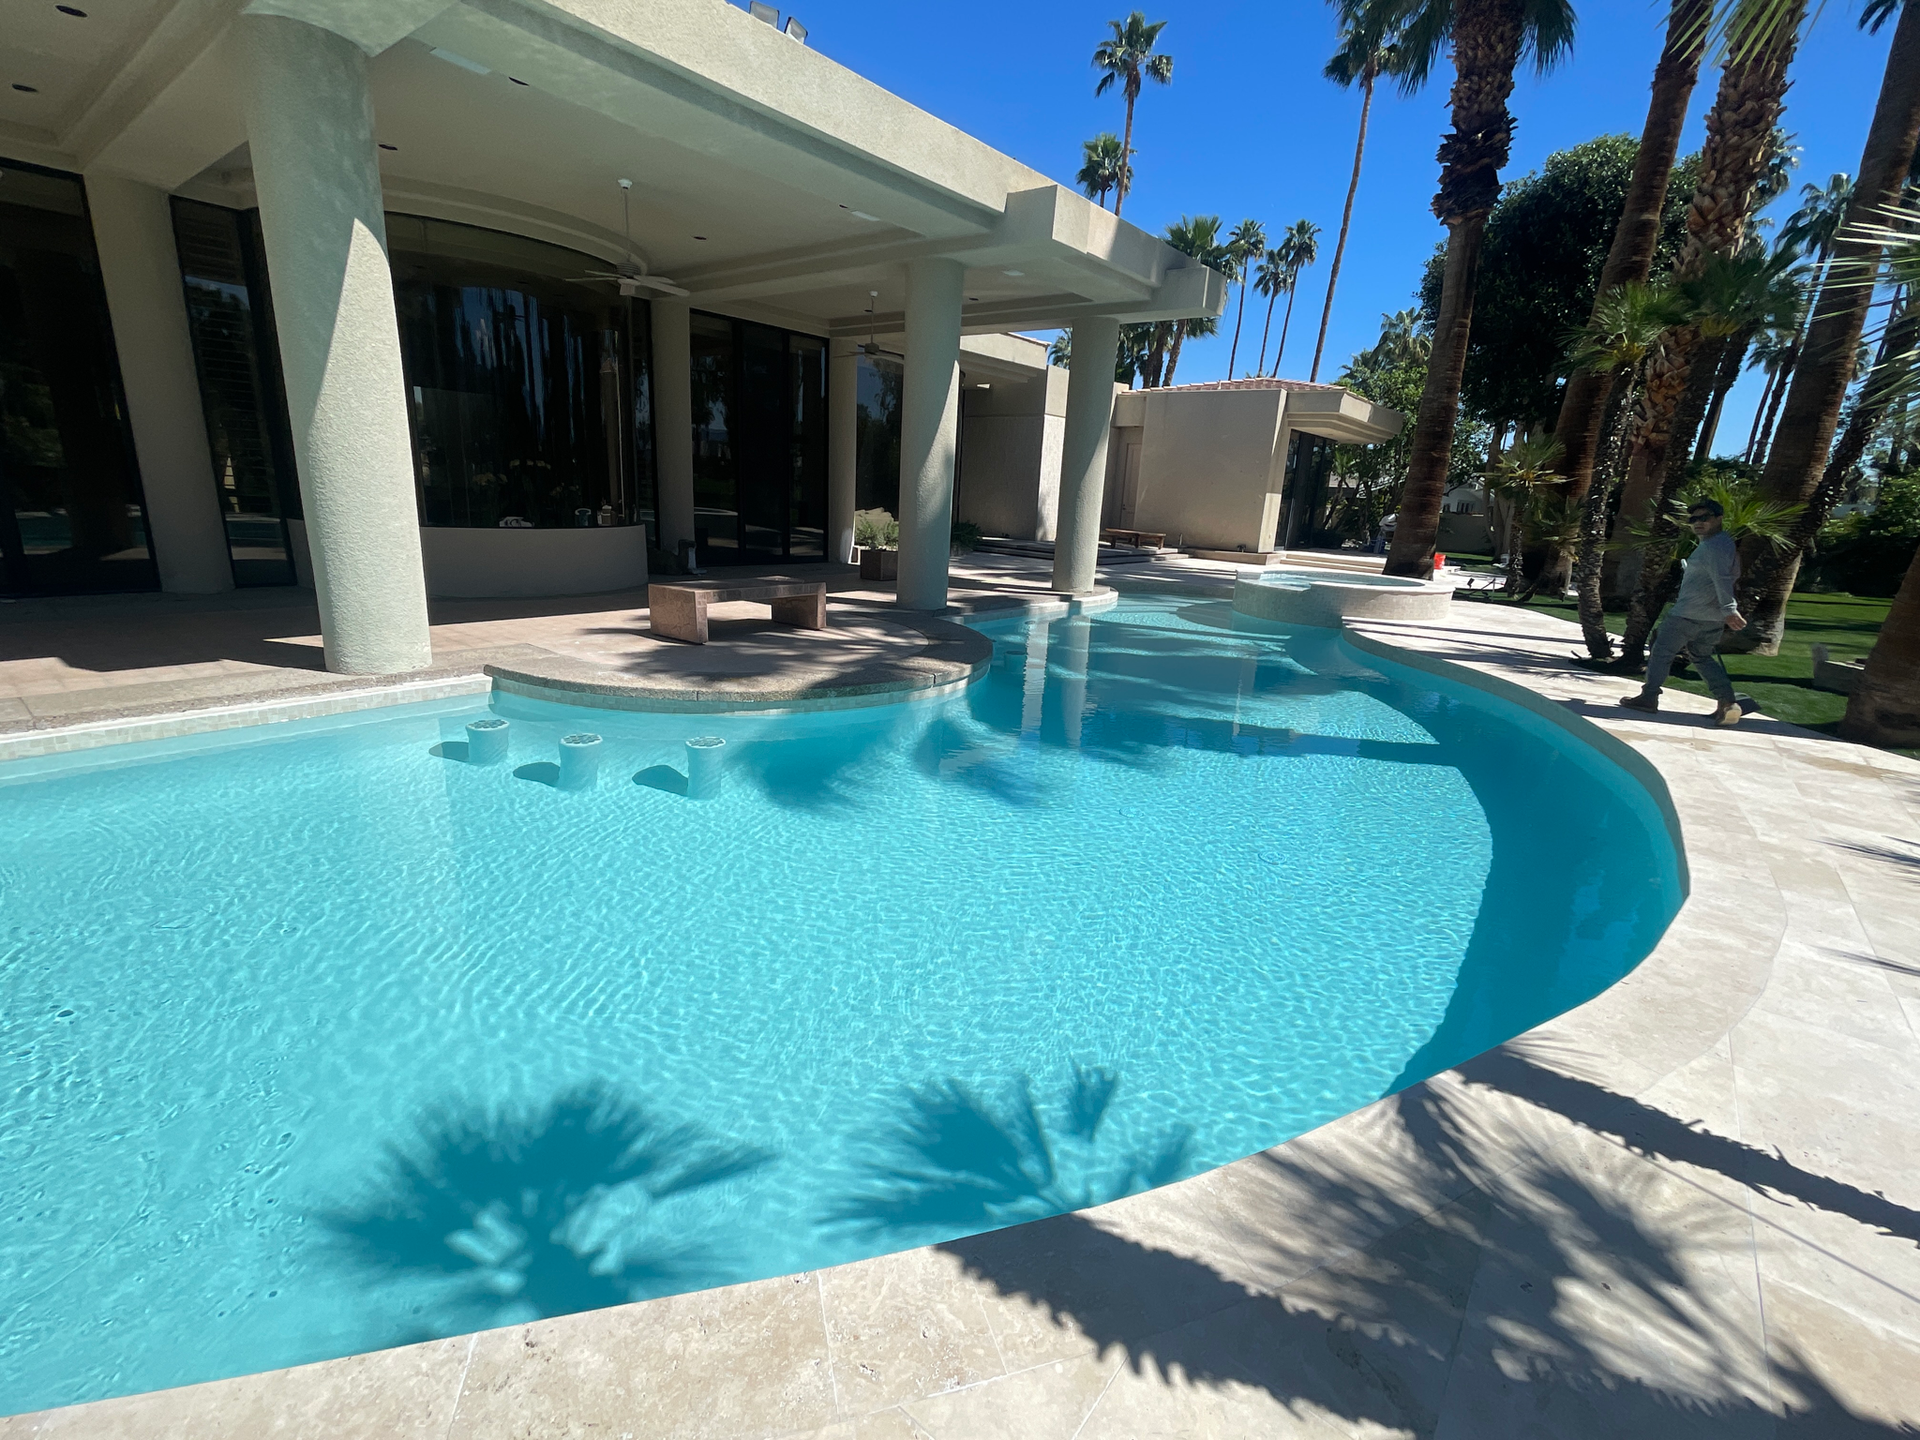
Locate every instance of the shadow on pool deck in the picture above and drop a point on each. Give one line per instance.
(1536, 1303)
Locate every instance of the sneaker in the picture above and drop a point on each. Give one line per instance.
(1728, 712)
(1641, 702)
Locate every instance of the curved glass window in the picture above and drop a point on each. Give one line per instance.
(527, 380)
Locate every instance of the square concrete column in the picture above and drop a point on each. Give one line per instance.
(673, 418)
(309, 119)
(1083, 453)
(929, 422)
(133, 232)
(843, 446)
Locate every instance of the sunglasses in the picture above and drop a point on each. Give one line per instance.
(1700, 519)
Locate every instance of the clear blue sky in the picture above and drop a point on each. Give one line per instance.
(1249, 127)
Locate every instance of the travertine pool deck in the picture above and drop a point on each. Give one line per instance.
(1689, 1208)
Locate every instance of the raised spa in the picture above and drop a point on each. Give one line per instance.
(322, 1037)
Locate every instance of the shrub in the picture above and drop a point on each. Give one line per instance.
(965, 537)
(876, 530)
(1867, 554)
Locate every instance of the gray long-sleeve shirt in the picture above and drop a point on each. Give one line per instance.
(1706, 591)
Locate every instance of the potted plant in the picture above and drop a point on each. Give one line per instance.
(877, 536)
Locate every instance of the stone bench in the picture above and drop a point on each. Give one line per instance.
(1139, 539)
(680, 611)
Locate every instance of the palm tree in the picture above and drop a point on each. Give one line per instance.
(1810, 228)
(1127, 56)
(1302, 246)
(1273, 279)
(1489, 38)
(1620, 340)
(1367, 51)
(1729, 295)
(1635, 238)
(1246, 244)
(1796, 463)
(1103, 168)
(1518, 476)
(1198, 236)
(1734, 161)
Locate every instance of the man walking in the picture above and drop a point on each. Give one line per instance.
(1704, 610)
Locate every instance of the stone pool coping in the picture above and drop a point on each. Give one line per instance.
(1688, 1207)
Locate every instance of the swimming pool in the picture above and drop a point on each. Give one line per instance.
(318, 1038)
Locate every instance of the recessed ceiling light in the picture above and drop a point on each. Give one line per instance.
(26, 89)
(385, 146)
(516, 80)
(973, 299)
(69, 10)
(699, 237)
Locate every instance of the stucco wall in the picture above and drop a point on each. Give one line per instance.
(1207, 464)
(483, 564)
(1009, 481)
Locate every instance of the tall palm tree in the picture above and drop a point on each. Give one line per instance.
(1810, 229)
(1246, 244)
(1273, 279)
(1728, 295)
(1489, 38)
(1103, 168)
(1127, 57)
(1635, 239)
(1620, 339)
(1734, 162)
(1302, 246)
(1796, 463)
(1367, 51)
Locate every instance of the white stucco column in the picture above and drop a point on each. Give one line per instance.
(929, 424)
(843, 446)
(133, 231)
(309, 123)
(673, 419)
(1083, 453)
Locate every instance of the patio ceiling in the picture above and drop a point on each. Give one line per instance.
(769, 181)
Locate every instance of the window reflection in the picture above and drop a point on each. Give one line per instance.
(72, 517)
(877, 419)
(526, 379)
(1309, 464)
(759, 442)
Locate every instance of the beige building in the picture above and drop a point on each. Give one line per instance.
(500, 296)
(1233, 464)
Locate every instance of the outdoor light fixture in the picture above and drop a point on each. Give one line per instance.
(26, 89)
(631, 277)
(385, 146)
(764, 12)
(516, 80)
(462, 61)
(69, 10)
(796, 31)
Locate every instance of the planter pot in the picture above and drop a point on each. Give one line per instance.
(879, 564)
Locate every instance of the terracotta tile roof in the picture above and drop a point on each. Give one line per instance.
(1263, 382)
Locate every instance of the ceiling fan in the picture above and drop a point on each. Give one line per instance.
(631, 278)
(872, 348)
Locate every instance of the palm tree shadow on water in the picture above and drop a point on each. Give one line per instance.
(953, 1158)
(512, 1214)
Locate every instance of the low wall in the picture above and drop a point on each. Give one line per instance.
(1331, 601)
(487, 564)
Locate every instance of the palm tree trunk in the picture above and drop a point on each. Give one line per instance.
(1593, 532)
(1233, 352)
(1126, 159)
(1264, 329)
(1635, 238)
(1278, 354)
(1655, 558)
(1812, 411)
(1782, 377)
(1346, 219)
(1173, 355)
(1759, 413)
(1739, 135)
(1770, 580)
(1723, 383)
(1885, 708)
(1486, 47)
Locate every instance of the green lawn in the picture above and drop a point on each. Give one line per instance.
(1783, 683)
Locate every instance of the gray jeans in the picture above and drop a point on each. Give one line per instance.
(1699, 638)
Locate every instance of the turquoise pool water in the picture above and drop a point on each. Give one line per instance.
(317, 1039)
